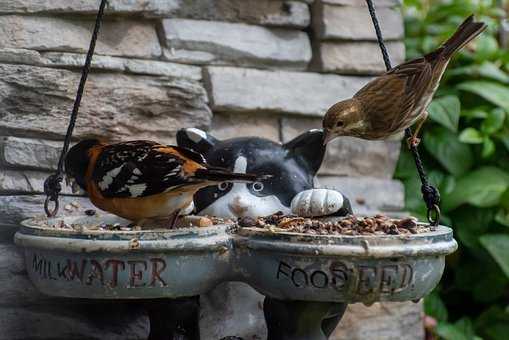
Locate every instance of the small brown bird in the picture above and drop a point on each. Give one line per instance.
(399, 98)
(141, 180)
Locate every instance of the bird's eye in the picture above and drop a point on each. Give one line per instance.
(257, 186)
(340, 123)
(223, 186)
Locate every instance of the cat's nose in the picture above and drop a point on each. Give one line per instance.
(239, 206)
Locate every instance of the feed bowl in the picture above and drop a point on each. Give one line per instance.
(343, 268)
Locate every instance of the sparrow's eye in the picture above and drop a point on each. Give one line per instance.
(223, 186)
(257, 186)
(340, 123)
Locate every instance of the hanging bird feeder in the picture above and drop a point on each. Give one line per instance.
(84, 261)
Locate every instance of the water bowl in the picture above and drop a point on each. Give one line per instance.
(101, 264)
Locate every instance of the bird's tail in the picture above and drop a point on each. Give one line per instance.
(467, 31)
(224, 175)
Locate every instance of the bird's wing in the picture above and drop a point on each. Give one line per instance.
(391, 99)
(143, 168)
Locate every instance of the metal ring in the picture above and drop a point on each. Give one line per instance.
(50, 213)
(434, 220)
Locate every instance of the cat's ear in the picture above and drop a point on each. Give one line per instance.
(308, 149)
(195, 139)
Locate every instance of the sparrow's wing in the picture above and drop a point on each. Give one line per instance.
(393, 99)
(143, 168)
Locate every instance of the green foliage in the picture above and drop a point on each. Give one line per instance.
(466, 152)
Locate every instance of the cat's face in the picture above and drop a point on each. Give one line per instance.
(292, 165)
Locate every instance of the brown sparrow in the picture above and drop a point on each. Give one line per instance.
(398, 98)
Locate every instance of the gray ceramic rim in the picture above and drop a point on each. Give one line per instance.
(183, 240)
(435, 243)
(219, 238)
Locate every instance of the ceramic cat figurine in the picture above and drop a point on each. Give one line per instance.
(293, 167)
(234, 308)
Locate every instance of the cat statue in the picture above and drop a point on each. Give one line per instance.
(235, 308)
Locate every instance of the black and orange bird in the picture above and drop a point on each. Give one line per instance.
(398, 98)
(140, 180)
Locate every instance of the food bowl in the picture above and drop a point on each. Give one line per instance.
(343, 268)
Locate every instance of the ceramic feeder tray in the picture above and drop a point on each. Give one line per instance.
(190, 261)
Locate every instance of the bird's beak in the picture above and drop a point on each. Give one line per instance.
(327, 137)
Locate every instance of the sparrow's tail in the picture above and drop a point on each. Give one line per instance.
(223, 175)
(467, 31)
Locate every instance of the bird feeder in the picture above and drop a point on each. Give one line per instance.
(317, 270)
(159, 263)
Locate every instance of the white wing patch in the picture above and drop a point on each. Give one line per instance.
(136, 190)
(174, 172)
(109, 177)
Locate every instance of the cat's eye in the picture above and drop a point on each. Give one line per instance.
(223, 186)
(257, 186)
(340, 123)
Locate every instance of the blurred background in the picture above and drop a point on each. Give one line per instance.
(466, 151)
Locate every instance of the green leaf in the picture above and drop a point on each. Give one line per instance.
(494, 121)
(493, 323)
(470, 136)
(435, 307)
(453, 155)
(448, 331)
(504, 200)
(477, 112)
(493, 92)
(485, 70)
(504, 138)
(488, 147)
(502, 217)
(490, 70)
(481, 188)
(487, 47)
(471, 223)
(466, 327)
(446, 112)
(498, 246)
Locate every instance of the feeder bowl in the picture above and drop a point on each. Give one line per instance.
(190, 261)
(348, 269)
(122, 264)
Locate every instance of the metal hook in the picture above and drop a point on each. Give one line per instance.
(54, 211)
(434, 215)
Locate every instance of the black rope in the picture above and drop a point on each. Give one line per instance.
(52, 185)
(430, 194)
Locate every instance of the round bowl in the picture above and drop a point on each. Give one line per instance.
(361, 268)
(100, 264)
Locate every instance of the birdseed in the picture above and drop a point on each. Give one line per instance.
(349, 225)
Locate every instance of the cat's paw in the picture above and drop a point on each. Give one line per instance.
(317, 202)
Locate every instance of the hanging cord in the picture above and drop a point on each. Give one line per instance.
(52, 184)
(430, 194)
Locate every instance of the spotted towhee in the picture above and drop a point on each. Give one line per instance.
(140, 180)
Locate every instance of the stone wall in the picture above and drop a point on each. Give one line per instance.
(235, 67)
